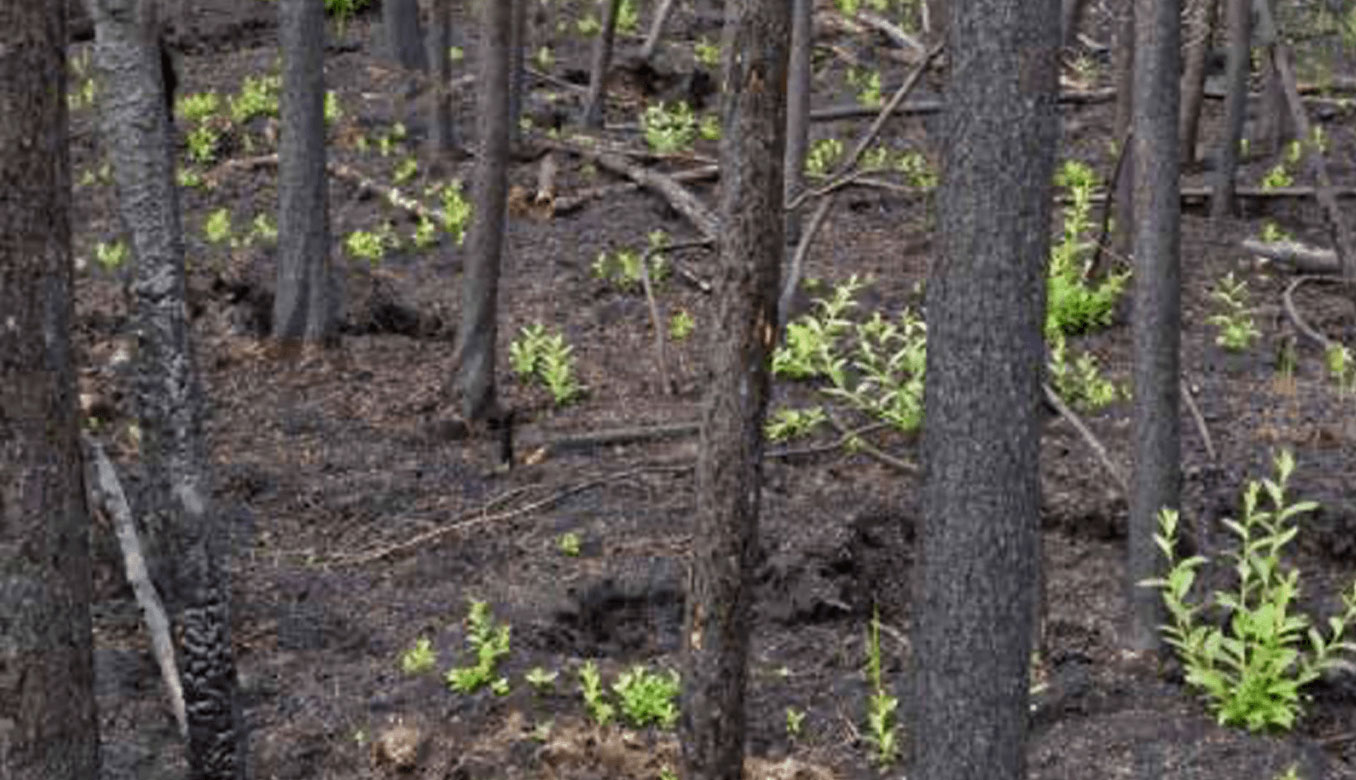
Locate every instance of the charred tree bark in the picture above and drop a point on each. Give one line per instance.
(46, 658)
(518, 43)
(480, 284)
(729, 476)
(1157, 481)
(404, 40)
(602, 61)
(305, 309)
(798, 87)
(1122, 229)
(1200, 31)
(168, 396)
(978, 572)
(442, 133)
(1235, 106)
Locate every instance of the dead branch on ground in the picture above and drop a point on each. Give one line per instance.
(1091, 439)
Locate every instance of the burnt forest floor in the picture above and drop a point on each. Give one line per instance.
(362, 518)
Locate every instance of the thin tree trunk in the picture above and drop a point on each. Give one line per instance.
(1157, 481)
(404, 40)
(1239, 13)
(442, 134)
(168, 395)
(1071, 16)
(478, 334)
(978, 570)
(1199, 33)
(305, 307)
(602, 61)
(651, 44)
(50, 728)
(1122, 229)
(798, 87)
(718, 609)
(1274, 128)
(518, 43)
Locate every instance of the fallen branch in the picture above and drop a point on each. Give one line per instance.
(1073, 419)
(678, 196)
(1200, 421)
(1305, 259)
(577, 201)
(924, 107)
(657, 322)
(1309, 332)
(106, 494)
(867, 448)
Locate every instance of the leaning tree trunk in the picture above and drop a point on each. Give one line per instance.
(442, 134)
(602, 61)
(49, 731)
(480, 283)
(1235, 106)
(978, 575)
(1200, 30)
(305, 308)
(168, 396)
(719, 602)
(798, 87)
(1157, 481)
(651, 44)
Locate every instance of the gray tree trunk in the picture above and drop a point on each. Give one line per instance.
(305, 309)
(50, 731)
(652, 39)
(1123, 227)
(1200, 32)
(1157, 481)
(1274, 127)
(798, 88)
(978, 572)
(1070, 17)
(1239, 13)
(518, 43)
(729, 478)
(480, 284)
(442, 134)
(169, 399)
(602, 60)
(404, 40)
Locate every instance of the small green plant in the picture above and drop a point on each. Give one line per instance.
(709, 128)
(543, 58)
(792, 423)
(669, 130)
(420, 658)
(188, 177)
(1079, 382)
(197, 107)
(217, 226)
(1279, 176)
(877, 158)
(546, 356)
(405, 170)
(1074, 305)
(1237, 331)
(370, 245)
(628, 17)
(202, 142)
(1291, 773)
(1252, 667)
(648, 697)
(425, 233)
(823, 155)
(681, 325)
(867, 84)
(333, 112)
(568, 544)
(795, 720)
(667, 773)
(622, 267)
(541, 680)
(881, 706)
(706, 53)
(588, 25)
(456, 53)
(917, 170)
(263, 229)
(110, 256)
(1273, 234)
(1341, 366)
(595, 698)
(456, 210)
(490, 643)
(258, 96)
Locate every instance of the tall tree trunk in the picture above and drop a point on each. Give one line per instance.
(480, 284)
(977, 581)
(46, 659)
(1157, 481)
(651, 44)
(1274, 128)
(1070, 17)
(798, 87)
(937, 11)
(1200, 32)
(443, 133)
(404, 40)
(1235, 106)
(518, 43)
(729, 476)
(602, 61)
(168, 395)
(305, 308)
(1122, 229)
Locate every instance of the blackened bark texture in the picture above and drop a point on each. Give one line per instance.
(1199, 32)
(442, 134)
(404, 40)
(1157, 320)
(1239, 15)
(651, 44)
(978, 577)
(1122, 233)
(480, 284)
(305, 308)
(729, 477)
(602, 61)
(799, 72)
(47, 718)
(519, 37)
(168, 396)
(1274, 128)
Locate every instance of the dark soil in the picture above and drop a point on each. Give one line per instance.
(362, 518)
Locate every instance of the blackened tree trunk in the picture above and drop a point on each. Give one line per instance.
(602, 61)
(1123, 228)
(404, 40)
(978, 575)
(1157, 481)
(480, 284)
(46, 660)
(799, 72)
(729, 477)
(651, 44)
(1200, 32)
(305, 309)
(442, 134)
(518, 42)
(169, 399)
(1235, 106)
(1274, 127)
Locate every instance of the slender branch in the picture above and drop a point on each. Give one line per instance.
(1200, 421)
(1292, 311)
(1097, 449)
(657, 322)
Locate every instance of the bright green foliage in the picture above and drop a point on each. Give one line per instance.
(546, 356)
(709, 127)
(595, 698)
(568, 544)
(1080, 383)
(1341, 366)
(628, 17)
(333, 112)
(681, 325)
(217, 226)
(263, 229)
(258, 97)
(811, 339)
(1278, 176)
(1273, 234)
(540, 679)
(791, 423)
(425, 234)
(457, 210)
(707, 53)
(622, 268)
(1073, 305)
(491, 643)
(648, 697)
(405, 170)
(110, 256)
(544, 58)
(669, 130)
(1237, 330)
(881, 706)
(823, 155)
(202, 142)
(917, 170)
(795, 720)
(371, 245)
(420, 658)
(197, 107)
(867, 84)
(1252, 670)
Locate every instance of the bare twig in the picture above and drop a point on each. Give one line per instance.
(1200, 421)
(657, 322)
(1304, 258)
(574, 202)
(1100, 451)
(679, 197)
(1288, 298)
(1104, 235)
(866, 447)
